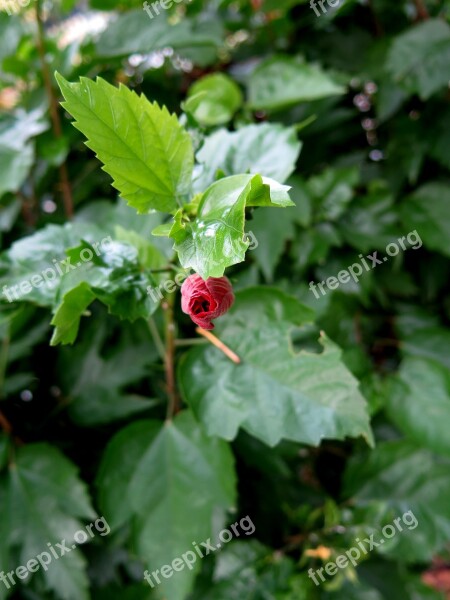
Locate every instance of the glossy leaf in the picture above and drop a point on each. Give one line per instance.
(142, 146)
(215, 239)
(274, 393)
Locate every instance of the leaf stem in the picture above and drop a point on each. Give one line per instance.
(54, 115)
(218, 344)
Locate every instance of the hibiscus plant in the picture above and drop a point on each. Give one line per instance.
(194, 346)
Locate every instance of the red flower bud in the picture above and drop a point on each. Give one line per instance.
(206, 300)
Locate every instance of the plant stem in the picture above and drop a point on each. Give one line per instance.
(156, 337)
(169, 359)
(190, 342)
(54, 115)
(5, 424)
(218, 344)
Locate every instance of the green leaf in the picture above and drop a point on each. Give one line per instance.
(215, 239)
(15, 164)
(419, 57)
(114, 275)
(274, 393)
(426, 210)
(67, 318)
(143, 147)
(213, 99)
(398, 477)
(269, 149)
(428, 342)
(371, 222)
(175, 483)
(149, 256)
(419, 403)
(43, 503)
(280, 82)
(16, 150)
(271, 235)
(332, 191)
(249, 570)
(134, 32)
(96, 377)
(37, 254)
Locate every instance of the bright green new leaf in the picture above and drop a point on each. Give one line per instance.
(215, 239)
(214, 99)
(142, 146)
(175, 484)
(274, 393)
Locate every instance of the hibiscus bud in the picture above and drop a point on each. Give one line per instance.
(206, 300)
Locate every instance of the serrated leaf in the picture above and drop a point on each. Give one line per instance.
(44, 501)
(213, 99)
(174, 483)
(143, 147)
(215, 239)
(274, 393)
(280, 82)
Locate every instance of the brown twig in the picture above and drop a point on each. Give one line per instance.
(64, 183)
(5, 424)
(218, 344)
(379, 32)
(422, 11)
